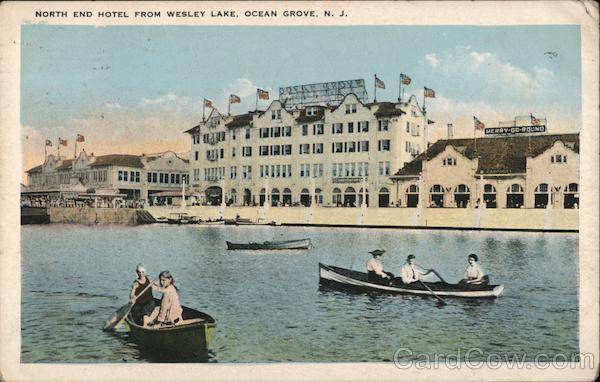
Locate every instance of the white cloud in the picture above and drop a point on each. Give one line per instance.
(432, 59)
(241, 87)
(112, 105)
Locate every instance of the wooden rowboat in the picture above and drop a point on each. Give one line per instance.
(346, 279)
(191, 337)
(272, 245)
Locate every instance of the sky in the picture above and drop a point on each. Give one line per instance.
(136, 89)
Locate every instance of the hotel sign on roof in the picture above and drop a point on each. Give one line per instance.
(515, 130)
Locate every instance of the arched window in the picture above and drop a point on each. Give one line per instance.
(248, 197)
(541, 197)
(349, 197)
(336, 197)
(489, 196)
(462, 195)
(360, 197)
(412, 196)
(287, 197)
(436, 196)
(233, 196)
(318, 196)
(384, 197)
(514, 196)
(305, 197)
(275, 197)
(571, 196)
(262, 196)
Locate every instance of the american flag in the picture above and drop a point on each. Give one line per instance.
(428, 92)
(48, 142)
(80, 138)
(378, 83)
(262, 94)
(405, 79)
(208, 103)
(478, 124)
(535, 121)
(234, 99)
(62, 141)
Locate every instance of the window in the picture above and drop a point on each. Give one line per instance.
(318, 129)
(247, 172)
(337, 128)
(350, 127)
(350, 147)
(247, 151)
(363, 146)
(383, 168)
(121, 175)
(276, 114)
(125, 176)
(286, 131)
(276, 132)
(363, 127)
(318, 170)
(149, 180)
(247, 133)
(263, 150)
(232, 172)
(304, 148)
(384, 145)
(317, 148)
(172, 178)
(449, 161)
(275, 150)
(196, 155)
(350, 108)
(286, 149)
(558, 158)
(233, 134)
(304, 130)
(137, 176)
(310, 111)
(264, 132)
(383, 125)
(233, 152)
(408, 127)
(337, 147)
(222, 153)
(304, 170)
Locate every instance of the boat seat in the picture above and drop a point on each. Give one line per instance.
(191, 321)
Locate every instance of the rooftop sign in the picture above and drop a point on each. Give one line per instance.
(324, 93)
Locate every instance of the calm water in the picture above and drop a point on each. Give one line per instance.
(268, 305)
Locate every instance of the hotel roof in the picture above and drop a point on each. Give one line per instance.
(118, 160)
(303, 118)
(240, 120)
(504, 155)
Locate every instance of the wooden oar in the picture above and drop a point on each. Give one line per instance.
(123, 311)
(433, 293)
(435, 272)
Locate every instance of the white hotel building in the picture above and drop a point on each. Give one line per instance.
(283, 157)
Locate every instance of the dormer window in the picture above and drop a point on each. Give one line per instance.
(350, 108)
(449, 161)
(558, 158)
(275, 114)
(310, 111)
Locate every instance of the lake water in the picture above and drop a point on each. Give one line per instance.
(268, 305)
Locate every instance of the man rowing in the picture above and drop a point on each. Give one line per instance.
(412, 273)
(375, 271)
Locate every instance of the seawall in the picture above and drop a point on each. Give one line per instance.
(428, 218)
(87, 215)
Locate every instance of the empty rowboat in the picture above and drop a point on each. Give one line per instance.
(272, 245)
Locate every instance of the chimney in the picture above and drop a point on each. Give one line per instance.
(450, 131)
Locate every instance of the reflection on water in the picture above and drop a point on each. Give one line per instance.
(269, 306)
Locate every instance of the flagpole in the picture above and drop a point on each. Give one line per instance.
(58, 149)
(45, 152)
(375, 89)
(75, 150)
(229, 106)
(400, 88)
(203, 107)
(424, 101)
(256, 105)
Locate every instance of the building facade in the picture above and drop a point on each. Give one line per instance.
(325, 154)
(135, 177)
(505, 172)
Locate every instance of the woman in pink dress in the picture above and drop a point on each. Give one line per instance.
(170, 308)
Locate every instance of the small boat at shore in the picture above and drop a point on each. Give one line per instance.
(346, 279)
(272, 245)
(244, 221)
(211, 222)
(191, 337)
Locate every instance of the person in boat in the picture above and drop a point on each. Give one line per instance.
(170, 309)
(375, 271)
(411, 272)
(474, 274)
(141, 295)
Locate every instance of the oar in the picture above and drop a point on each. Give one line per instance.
(435, 272)
(122, 312)
(433, 293)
